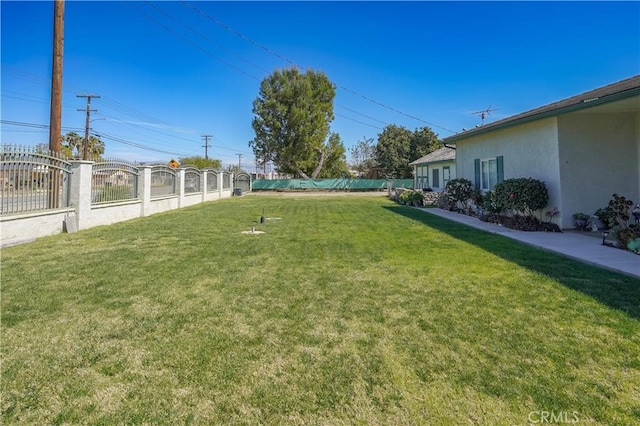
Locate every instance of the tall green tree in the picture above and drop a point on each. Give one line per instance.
(292, 114)
(201, 162)
(364, 158)
(394, 149)
(398, 146)
(423, 142)
(335, 163)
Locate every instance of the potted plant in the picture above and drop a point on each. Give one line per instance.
(581, 221)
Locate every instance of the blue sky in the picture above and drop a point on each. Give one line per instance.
(170, 72)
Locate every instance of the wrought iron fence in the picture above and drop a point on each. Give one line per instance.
(191, 180)
(212, 180)
(113, 180)
(226, 180)
(32, 179)
(163, 181)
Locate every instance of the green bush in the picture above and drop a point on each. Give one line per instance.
(460, 191)
(490, 203)
(626, 237)
(521, 196)
(410, 197)
(620, 208)
(607, 216)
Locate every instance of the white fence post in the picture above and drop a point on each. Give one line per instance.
(144, 189)
(203, 184)
(80, 191)
(180, 183)
(220, 180)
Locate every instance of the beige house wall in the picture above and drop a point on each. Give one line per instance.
(528, 150)
(600, 156)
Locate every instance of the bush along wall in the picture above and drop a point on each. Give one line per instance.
(513, 203)
(459, 195)
(627, 235)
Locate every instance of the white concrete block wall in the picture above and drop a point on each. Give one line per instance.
(39, 224)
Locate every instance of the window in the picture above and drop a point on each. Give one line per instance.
(489, 172)
(436, 178)
(446, 176)
(424, 173)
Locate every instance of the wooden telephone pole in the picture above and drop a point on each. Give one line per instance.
(55, 119)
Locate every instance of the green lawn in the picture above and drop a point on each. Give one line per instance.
(348, 310)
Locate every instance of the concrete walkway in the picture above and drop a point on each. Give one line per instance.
(581, 247)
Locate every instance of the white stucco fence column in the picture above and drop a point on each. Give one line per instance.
(203, 185)
(80, 191)
(180, 183)
(144, 189)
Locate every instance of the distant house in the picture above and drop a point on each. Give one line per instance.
(585, 148)
(435, 169)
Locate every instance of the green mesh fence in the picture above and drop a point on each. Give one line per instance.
(330, 184)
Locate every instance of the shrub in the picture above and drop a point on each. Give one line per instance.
(625, 234)
(521, 195)
(581, 221)
(410, 197)
(490, 203)
(446, 202)
(521, 223)
(460, 191)
(620, 208)
(627, 237)
(417, 198)
(404, 197)
(606, 216)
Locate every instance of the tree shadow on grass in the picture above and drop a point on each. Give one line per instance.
(616, 290)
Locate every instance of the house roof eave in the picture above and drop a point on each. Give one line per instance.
(530, 116)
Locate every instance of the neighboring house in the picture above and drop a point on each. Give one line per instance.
(435, 169)
(585, 148)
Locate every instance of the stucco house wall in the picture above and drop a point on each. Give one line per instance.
(424, 175)
(599, 155)
(528, 150)
(585, 148)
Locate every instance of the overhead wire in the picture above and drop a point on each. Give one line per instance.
(285, 59)
(234, 54)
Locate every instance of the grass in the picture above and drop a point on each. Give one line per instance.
(348, 310)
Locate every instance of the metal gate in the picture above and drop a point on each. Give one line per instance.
(241, 183)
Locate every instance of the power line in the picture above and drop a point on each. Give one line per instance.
(283, 58)
(193, 44)
(136, 145)
(204, 37)
(357, 121)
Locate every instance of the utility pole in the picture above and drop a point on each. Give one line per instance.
(206, 146)
(85, 151)
(55, 118)
(239, 158)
